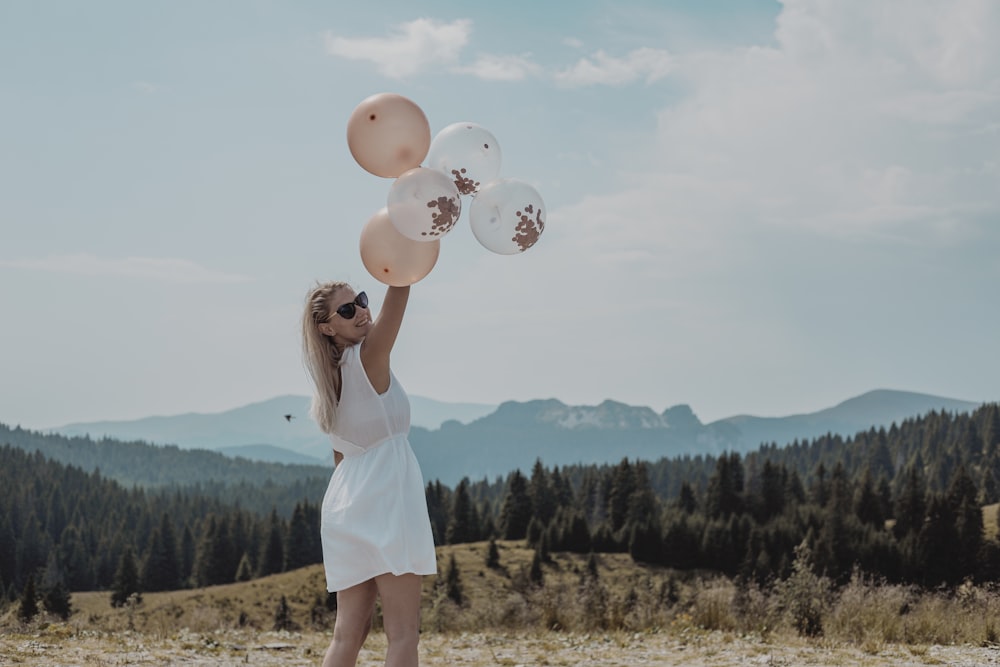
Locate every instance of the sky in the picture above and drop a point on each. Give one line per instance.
(753, 207)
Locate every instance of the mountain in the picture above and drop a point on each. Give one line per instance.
(880, 407)
(515, 434)
(519, 433)
(245, 430)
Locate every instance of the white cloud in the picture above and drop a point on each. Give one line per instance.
(501, 68)
(839, 128)
(170, 270)
(413, 47)
(603, 69)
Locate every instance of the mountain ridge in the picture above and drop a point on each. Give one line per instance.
(516, 433)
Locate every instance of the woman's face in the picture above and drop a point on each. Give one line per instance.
(348, 321)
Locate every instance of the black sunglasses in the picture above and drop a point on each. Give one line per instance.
(348, 310)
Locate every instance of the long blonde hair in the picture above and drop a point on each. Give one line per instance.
(322, 355)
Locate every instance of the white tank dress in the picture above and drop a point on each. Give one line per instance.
(374, 516)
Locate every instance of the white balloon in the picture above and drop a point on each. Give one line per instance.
(507, 216)
(468, 153)
(424, 204)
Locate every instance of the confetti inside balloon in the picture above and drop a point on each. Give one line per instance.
(424, 204)
(507, 216)
(466, 152)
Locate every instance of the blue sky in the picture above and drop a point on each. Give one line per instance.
(753, 207)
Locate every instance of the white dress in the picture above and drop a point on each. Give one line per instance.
(374, 517)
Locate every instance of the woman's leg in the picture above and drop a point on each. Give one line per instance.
(355, 608)
(401, 617)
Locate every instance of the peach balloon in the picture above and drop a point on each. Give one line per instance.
(388, 134)
(392, 258)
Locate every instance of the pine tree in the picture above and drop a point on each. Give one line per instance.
(126, 581)
(212, 564)
(298, 546)
(686, 500)
(535, 575)
(273, 557)
(911, 505)
(723, 496)
(161, 570)
(453, 582)
(493, 555)
(55, 595)
(543, 500)
(937, 548)
(283, 617)
(963, 499)
(620, 490)
(462, 525)
(867, 506)
(29, 601)
(516, 511)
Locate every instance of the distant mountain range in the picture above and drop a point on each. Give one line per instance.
(453, 440)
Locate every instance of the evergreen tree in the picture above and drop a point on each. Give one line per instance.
(55, 596)
(643, 507)
(298, 546)
(283, 617)
(867, 506)
(963, 500)
(29, 601)
(126, 581)
(214, 559)
(161, 569)
(453, 582)
(437, 510)
(819, 491)
(516, 512)
(535, 575)
(543, 500)
(493, 555)
(686, 500)
(187, 555)
(937, 548)
(723, 496)
(272, 558)
(911, 505)
(462, 525)
(619, 492)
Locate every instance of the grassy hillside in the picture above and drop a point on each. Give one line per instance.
(624, 597)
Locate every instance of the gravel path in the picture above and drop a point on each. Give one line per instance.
(52, 647)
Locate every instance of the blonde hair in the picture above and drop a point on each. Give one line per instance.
(322, 356)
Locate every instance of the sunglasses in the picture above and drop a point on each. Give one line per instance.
(348, 310)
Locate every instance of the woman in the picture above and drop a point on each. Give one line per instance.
(376, 533)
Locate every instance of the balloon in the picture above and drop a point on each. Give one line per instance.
(507, 216)
(466, 152)
(392, 258)
(424, 204)
(388, 134)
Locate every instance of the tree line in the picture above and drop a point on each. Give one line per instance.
(902, 503)
(62, 526)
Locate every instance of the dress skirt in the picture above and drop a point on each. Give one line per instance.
(374, 517)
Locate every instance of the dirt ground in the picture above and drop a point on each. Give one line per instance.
(58, 646)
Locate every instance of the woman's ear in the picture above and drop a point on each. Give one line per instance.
(326, 329)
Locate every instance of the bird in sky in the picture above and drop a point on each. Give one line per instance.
(289, 418)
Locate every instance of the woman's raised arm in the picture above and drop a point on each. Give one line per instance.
(377, 346)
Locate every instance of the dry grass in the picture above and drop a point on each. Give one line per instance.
(990, 527)
(631, 614)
